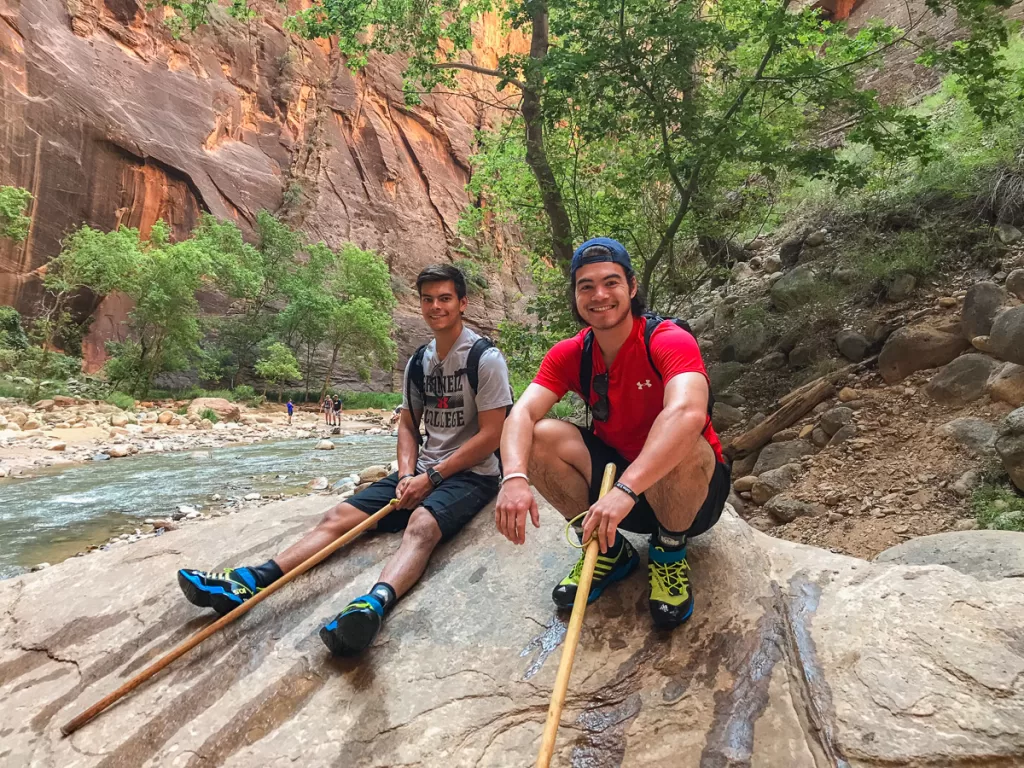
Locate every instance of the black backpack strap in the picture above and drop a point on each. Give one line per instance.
(653, 321)
(415, 378)
(480, 346)
(587, 366)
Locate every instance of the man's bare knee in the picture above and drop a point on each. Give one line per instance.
(422, 530)
(558, 443)
(341, 518)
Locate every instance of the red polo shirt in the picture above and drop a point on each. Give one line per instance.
(636, 394)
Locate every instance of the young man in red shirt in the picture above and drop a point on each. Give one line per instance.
(650, 417)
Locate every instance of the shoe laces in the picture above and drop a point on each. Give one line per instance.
(672, 576)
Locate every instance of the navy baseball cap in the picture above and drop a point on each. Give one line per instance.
(599, 249)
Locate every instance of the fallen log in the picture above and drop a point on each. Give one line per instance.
(829, 377)
(794, 410)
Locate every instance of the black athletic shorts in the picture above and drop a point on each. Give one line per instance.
(453, 503)
(641, 518)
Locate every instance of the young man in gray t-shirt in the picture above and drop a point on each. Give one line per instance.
(440, 486)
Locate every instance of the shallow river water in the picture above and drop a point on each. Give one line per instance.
(52, 516)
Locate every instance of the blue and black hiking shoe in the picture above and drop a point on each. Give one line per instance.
(610, 568)
(222, 591)
(355, 627)
(671, 598)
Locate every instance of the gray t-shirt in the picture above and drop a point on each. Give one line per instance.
(450, 411)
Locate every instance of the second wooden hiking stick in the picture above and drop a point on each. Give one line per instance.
(73, 725)
(572, 637)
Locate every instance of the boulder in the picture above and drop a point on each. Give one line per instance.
(789, 251)
(985, 555)
(844, 433)
(165, 417)
(773, 361)
(757, 244)
(801, 355)
(736, 401)
(225, 409)
(900, 287)
(772, 483)
(44, 405)
(966, 483)
(373, 474)
(748, 341)
(744, 466)
(1007, 385)
(795, 288)
(118, 451)
(1007, 335)
(724, 416)
(981, 304)
(119, 419)
(743, 484)
(785, 510)
(771, 264)
(324, 445)
(59, 446)
(852, 345)
(1010, 446)
(1007, 233)
(724, 374)
(927, 660)
(318, 484)
(32, 424)
(741, 271)
(917, 348)
(983, 344)
(816, 238)
(963, 380)
(835, 418)
(977, 435)
(1015, 283)
(820, 437)
(775, 455)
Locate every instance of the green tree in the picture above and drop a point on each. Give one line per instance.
(14, 203)
(277, 365)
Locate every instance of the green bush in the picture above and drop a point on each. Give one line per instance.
(209, 413)
(243, 393)
(998, 507)
(476, 280)
(383, 400)
(121, 400)
(12, 333)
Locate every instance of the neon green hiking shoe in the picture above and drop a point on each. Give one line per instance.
(608, 570)
(223, 591)
(671, 599)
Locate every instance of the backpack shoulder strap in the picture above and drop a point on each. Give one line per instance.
(653, 321)
(480, 346)
(415, 378)
(587, 365)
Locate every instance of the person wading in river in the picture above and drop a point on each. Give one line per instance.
(648, 394)
(440, 487)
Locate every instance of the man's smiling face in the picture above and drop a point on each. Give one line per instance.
(440, 305)
(603, 294)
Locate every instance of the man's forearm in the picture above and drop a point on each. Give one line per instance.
(516, 442)
(672, 435)
(408, 450)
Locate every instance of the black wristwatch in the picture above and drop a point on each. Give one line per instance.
(435, 477)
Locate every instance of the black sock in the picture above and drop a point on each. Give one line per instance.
(613, 550)
(670, 540)
(385, 594)
(267, 573)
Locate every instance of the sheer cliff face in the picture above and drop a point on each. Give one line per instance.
(108, 120)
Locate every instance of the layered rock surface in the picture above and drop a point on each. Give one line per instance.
(108, 120)
(795, 657)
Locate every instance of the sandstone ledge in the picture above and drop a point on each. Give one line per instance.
(794, 657)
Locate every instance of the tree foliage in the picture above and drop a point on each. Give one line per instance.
(277, 365)
(14, 221)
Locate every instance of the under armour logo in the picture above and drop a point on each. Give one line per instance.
(642, 384)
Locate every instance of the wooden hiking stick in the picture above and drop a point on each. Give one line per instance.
(572, 637)
(73, 725)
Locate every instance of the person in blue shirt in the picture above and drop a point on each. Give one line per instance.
(291, 410)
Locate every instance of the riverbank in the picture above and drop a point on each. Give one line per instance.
(68, 430)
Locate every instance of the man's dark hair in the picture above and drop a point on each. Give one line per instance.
(637, 305)
(439, 273)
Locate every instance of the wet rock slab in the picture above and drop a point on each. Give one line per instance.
(794, 657)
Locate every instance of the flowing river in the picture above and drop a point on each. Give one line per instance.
(50, 517)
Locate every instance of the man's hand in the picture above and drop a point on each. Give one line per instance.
(604, 516)
(515, 499)
(412, 490)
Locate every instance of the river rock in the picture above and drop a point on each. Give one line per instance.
(985, 555)
(118, 419)
(747, 342)
(252, 497)
(324, 445)
(724, 416)
(206, 424)
(165, 417)
(852, 345)
(917, 348)
(952, 638)
(44, 405)
(57, 446)
(318, 484)
(1007, 385)
(834, 418)
(786, 510)
(816, 238)
(796, 287)
(225, 409)
(775, 455)
(373, 474)
(32, 424)
(744, 484)
(1007, 233)
(774, 482)
(39, 567)
(18, 418)
(118, 451)
(977, 435)
(963, 380)
(1015, 283)
(844, 433)
(981, 304)
(101, 457)
(900, 287)
(1007, 335)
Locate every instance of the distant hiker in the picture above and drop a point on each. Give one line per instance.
(328, 408)
(337, 411)
(458, 384)
(291, 410)
(644, 383)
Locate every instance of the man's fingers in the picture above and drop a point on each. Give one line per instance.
(534, 513)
